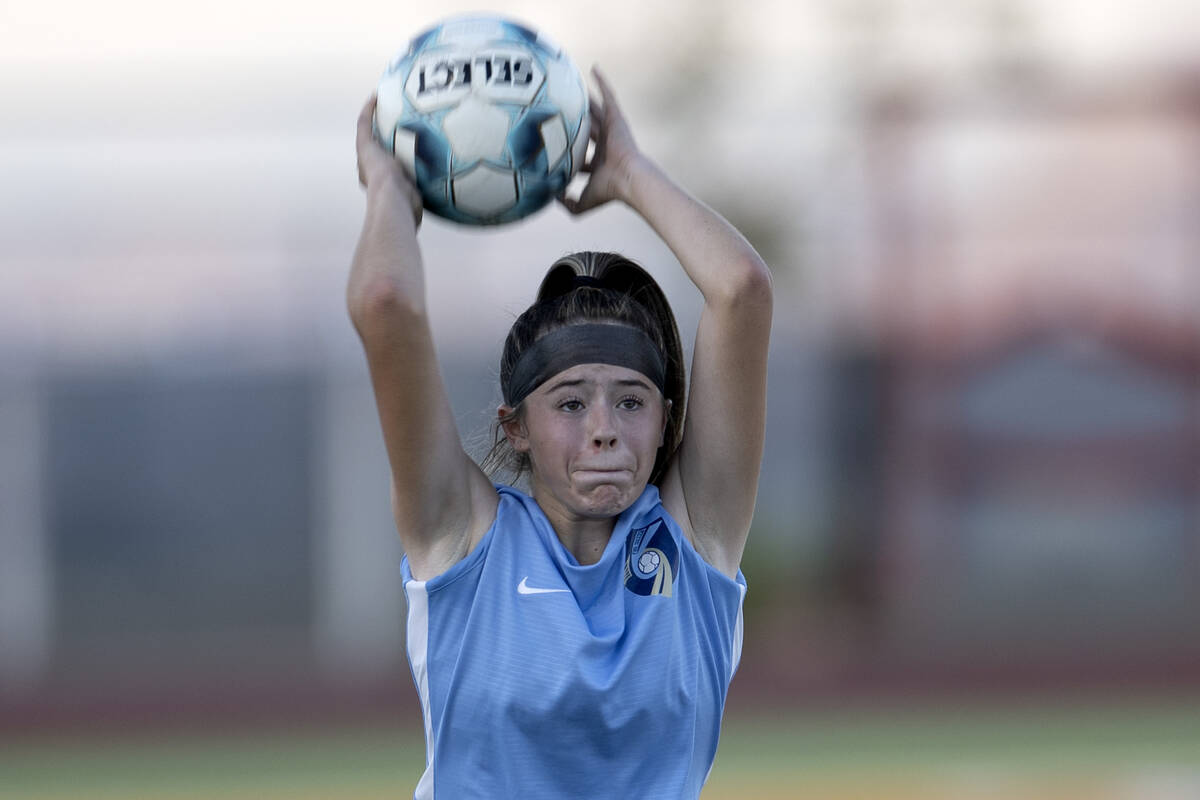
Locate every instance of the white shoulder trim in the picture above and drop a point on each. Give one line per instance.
(738, 631)
(418, 658)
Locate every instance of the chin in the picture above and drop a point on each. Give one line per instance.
(608, 500)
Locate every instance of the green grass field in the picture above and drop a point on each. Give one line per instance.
(1100, 752)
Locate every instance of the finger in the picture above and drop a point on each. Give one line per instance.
(587, 200)
(567, 203)
(371, 152)
(368, 109)
(595, 112)
(589, 157)
(606, 91)
(571, 200)
(576, 207)
(366, 119)
(595, 144)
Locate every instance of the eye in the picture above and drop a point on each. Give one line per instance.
(631, 403)
(570, 404)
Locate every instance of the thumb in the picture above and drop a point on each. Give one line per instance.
(586, 201)
(572, 206)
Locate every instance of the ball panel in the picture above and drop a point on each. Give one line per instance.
(554, 137)
(476, 129)
(431, 150)
(424, 39)
(389, 105)
(533, 197)
(566, 91)
(548, 45)
(525, 140)
(485, 191)
(516, 30)
(404, 148)
(470, 30)
(580, 145)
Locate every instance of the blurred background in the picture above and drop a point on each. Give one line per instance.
(980, 502)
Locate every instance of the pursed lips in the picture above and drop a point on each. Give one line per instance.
(601, 470)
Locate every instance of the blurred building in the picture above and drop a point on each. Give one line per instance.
(1020, 418)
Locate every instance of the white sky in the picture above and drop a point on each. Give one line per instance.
(40, 33)
(181, 168)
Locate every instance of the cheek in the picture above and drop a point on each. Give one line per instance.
(648, 436)
(549, 437)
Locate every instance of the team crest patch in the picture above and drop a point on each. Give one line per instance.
(651, 560)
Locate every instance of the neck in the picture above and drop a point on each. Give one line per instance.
(584, 537)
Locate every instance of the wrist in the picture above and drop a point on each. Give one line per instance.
(639, 174)
(392, 193)
(384, 186)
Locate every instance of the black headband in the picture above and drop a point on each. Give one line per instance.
(586, 343)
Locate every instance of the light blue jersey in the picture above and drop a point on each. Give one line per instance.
(542, 679)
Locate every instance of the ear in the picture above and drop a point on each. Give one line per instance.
(513, 425)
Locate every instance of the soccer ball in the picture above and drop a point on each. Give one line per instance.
(488, 116)
(648, 562)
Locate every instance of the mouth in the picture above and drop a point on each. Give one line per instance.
(600, 473)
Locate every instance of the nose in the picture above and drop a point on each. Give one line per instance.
(603, 429)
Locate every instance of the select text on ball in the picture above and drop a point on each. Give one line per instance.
(456, 73)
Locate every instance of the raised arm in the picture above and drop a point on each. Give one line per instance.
(712, 485)
(441, 500)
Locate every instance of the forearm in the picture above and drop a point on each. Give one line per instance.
(715, 255)
(387, 268)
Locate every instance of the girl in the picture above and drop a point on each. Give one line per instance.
(576, 641)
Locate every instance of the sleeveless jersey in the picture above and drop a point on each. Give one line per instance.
(543, 679)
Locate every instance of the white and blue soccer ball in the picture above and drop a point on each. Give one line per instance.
(649, 562)
(488, 116)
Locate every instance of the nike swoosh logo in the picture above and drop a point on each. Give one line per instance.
(525, 588)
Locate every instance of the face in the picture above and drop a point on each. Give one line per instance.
(591, 433)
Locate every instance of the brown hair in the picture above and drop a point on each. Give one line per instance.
(616, 290)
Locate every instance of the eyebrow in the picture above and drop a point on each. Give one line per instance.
(568, 384)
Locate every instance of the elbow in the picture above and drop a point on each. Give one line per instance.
(757, 283)
(749, 285)
(381, 304)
